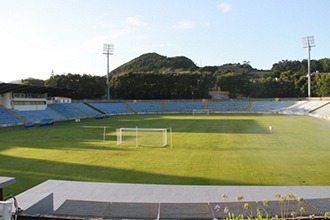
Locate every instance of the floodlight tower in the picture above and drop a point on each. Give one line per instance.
(308, 43)
(108, 50)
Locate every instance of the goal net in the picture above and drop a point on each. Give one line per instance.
(200, 111)
(152, 137)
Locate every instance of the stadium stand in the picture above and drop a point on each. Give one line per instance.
(85, 109)
(67, 110)
(323, 112)
(146, 107)
(8, 119)
(35, 116)
(111, 107)
(228, 106)
(304, 107)
(270, 106)
(183, 106)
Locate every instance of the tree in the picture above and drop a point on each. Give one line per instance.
(325, 63)
(235, 84)
(161, 86)
(321, 84)
(287, 65)
(82, 86)
(265, 88)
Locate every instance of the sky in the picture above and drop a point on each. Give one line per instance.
(41, 37)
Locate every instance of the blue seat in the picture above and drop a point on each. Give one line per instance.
(270, 106)
(87, 110)
(228, 106)
(183, 106)
(67, 110)
(111, 107)
(146, 106)
(8, 119)
(36, 116)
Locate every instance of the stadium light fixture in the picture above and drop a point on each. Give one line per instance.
(308, 43)
(108, 50)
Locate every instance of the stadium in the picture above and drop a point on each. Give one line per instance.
(161, 159)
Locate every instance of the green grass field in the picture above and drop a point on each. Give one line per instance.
(216, 149)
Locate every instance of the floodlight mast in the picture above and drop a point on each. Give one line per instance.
(108, 50)
(308, 43)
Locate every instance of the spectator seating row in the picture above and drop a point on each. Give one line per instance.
(183, 106)
(323, 112)
(66, 111)
(87, 110)
(35, 116)
(56, 112)
(304, 107)
(7, 118)
(146, 107)
(270, 106)
(228, 106)
(111, 108)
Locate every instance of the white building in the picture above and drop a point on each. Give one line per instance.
(26, 97)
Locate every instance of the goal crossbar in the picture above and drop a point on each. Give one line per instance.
(143, 129)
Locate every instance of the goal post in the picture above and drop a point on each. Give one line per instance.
(200, 111)
(151, 137)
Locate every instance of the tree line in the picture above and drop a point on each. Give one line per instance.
(285, 79)
(161, 86)
(80, 86)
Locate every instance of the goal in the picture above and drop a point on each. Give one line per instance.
(200, 111)
(151, 137)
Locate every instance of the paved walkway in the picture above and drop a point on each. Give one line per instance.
(148, 193)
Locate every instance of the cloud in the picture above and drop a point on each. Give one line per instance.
(136, 21)
(224, 7)
(186, 24)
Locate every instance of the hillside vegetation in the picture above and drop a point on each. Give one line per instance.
(153, 62)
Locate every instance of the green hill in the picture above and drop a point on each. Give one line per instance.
(153, 62)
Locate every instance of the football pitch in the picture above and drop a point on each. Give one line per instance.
(215, 149)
